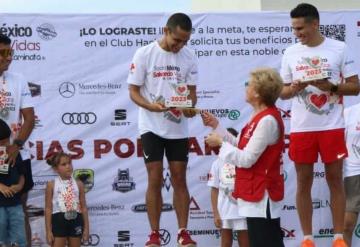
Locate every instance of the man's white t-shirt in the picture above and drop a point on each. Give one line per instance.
(313, 109)
(160, 74)
(222, 177)
(14, 96)
(352, 128)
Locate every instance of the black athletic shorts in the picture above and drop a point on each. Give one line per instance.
(62, 227)
(29, 183)
(154, 146)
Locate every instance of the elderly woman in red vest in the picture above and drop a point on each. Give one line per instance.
(257, 155)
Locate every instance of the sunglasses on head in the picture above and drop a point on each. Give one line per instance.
(6, 52)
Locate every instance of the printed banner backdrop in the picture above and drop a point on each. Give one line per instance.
(77, 65)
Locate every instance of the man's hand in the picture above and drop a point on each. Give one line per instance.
(157, 107)
(12, 151)
(85, 235)
(323, 84)
(213, 140)
(7, 191)
(298, 86)
(209, 119)
(188, 112)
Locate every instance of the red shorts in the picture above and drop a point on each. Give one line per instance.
(305, 146)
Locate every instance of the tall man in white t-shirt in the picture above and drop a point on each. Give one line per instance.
(163, 70)
(317, 124)
(16, 109)
(352, 170)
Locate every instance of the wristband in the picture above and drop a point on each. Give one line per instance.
(19, 143)
(334, 88)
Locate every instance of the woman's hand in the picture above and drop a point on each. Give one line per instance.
(50, 238)
(213, 140)
(209, 119)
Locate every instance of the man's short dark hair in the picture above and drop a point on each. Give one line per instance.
(306, 10)
(181, 20)
(5, 131)
(4, 39)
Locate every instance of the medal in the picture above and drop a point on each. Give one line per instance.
(4, 113)
(70, 215)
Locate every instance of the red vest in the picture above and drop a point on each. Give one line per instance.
(266, 173)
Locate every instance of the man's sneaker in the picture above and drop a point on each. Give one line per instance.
(339, 243)
(154, 239)
(184, 239)
(307, 243)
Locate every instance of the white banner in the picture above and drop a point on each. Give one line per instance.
(77, 66)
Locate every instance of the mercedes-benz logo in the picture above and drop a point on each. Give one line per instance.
(94, 240)
(67, 89)
(78, 118)
(165, 237)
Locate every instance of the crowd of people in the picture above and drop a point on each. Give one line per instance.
(246, 179)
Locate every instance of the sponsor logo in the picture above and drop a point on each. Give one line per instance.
(35, 89)
(86, 176)
(210, 232)
(205, 177)
(319, 175)
(119, 116)
(67, 89)
(231, 114)
(288, 234)
(317, 203)
(358, 24)
(105, 209)
(325, 233)
(75, 118)
(166, 181)
(142, 208)
(357, 231)
(165, 237)
(204, 94)
(289, 207)
(123, 236)
(34, 211)
(94, 240)
(196, 213)
(41, 181)
(123, 182)
(46, 31)
(15, 31)
(37, 122)
(340, 156)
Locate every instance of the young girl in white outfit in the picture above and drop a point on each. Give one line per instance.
(66, 216)
(226, 216)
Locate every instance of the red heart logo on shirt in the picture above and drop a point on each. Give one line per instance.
(318, 100)
(315, 61)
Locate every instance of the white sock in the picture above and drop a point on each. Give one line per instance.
(310, 237)
(338, 235)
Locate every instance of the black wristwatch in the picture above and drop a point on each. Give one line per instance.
(19, 143)
(334, 88)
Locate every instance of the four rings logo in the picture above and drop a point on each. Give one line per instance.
(67, 89)
(94, 240)
(74, 118)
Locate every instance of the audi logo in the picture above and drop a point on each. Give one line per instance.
(75, 118)
(67, 89)
(94, 240)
